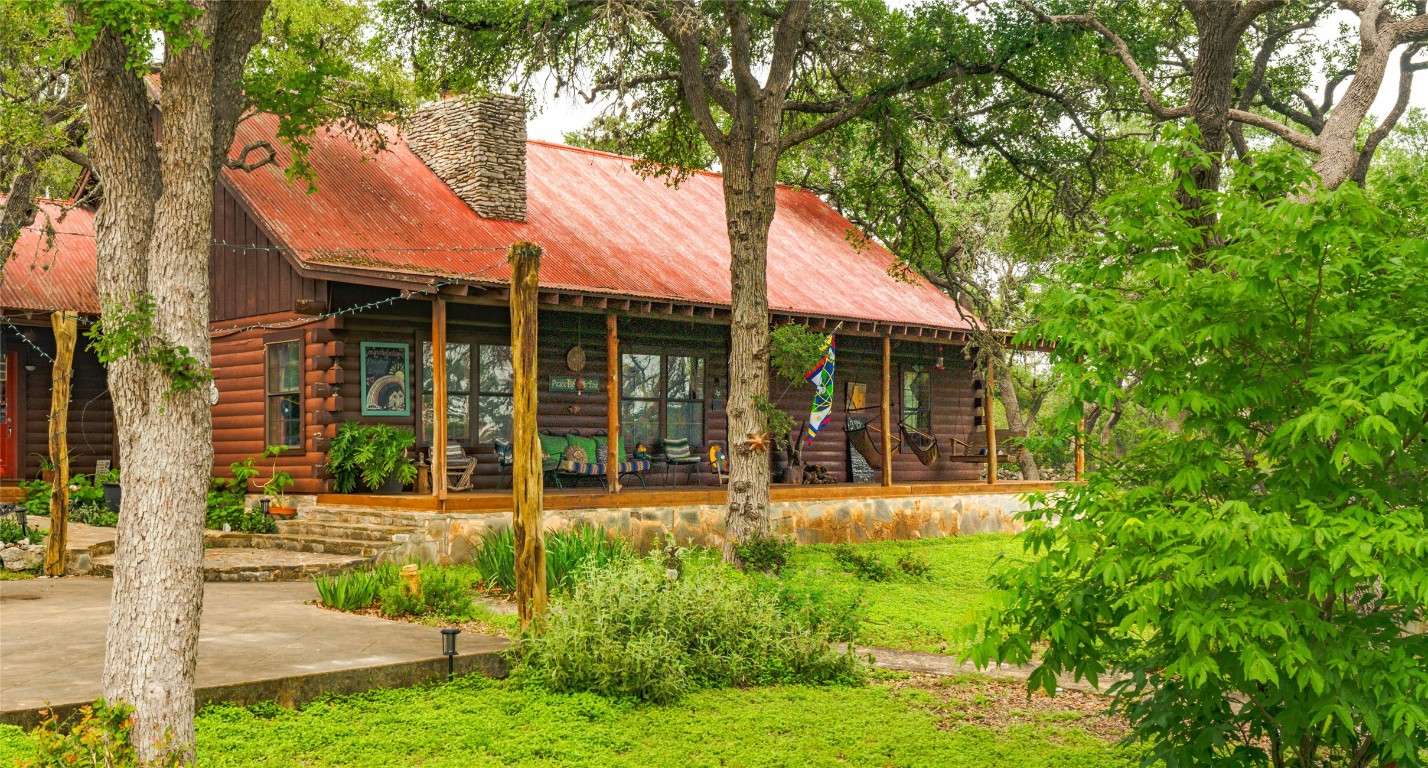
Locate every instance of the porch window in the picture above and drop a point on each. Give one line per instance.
(283, 361)
(916, 399)
(661, 396)
(476, 375)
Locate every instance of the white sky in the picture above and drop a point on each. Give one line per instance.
(568, 112)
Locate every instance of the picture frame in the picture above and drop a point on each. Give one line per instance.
(386, 378)
(855, 395)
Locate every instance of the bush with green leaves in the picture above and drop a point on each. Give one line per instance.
(227, 503)
(567, 553)
(629, 630)
(443, 593)
(86, 499)
(368, 455)
(914, 565)
(99, 736)
(349, 590)
(767, 554)
(37, 497)
(11, 532)
(1254, 570)
(864, 564)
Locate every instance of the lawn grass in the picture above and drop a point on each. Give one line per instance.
(478, 722)
(932, 614)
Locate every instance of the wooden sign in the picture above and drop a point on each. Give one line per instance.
(574, 384)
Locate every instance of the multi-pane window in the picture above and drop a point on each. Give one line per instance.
(489, 370)
(916, 399)
(661, 396)
(283, 393)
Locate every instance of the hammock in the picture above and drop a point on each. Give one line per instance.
(921, 443)
(857, 430)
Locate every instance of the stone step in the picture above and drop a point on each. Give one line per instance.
(297, 543)
(253, 564)
(364, 516)
(337, 530)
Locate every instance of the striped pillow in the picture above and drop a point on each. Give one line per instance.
(676, 447)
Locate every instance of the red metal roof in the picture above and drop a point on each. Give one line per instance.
(604, 230)
(48, 271)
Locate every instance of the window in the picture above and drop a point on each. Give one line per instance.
(492, 376)
(283, 393)
(661, 396)
(916, 399)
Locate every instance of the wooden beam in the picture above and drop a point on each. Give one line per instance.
(526, 467)
(612, 395)
(440, 402)
(66, 330)
(988, 411)
(887, 412)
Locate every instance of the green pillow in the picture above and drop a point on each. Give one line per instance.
(553, 446)
(619, 446)
(588, 445)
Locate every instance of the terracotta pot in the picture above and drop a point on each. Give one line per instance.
(282, 511)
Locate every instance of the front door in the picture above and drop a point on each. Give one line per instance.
(10, 413)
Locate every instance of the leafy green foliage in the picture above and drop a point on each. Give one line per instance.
(629, 630)
(37, 497)
(768, 554)
(227, 502)
(370, 454)
(279, 481)
(86, 498)
(1253, 571)
(862, 563)
(794, 350)
(349, 590)
(126, 329)
(444, 593)
(568, 553)
(915, 565)
(99, 736)
(11, 532)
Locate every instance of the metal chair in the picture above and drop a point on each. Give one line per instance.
(677, 453)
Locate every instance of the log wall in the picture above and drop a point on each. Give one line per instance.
(91, 414)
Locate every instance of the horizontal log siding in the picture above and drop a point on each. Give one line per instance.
(91, 414)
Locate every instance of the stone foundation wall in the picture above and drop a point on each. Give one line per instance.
(451, 537)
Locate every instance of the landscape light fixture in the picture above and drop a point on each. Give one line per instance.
(448, 649)
(263, 505)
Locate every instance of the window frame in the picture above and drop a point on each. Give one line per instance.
(473, 393)
(924, 406)
(269, 342)
(662, 399)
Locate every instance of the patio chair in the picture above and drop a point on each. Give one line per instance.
(677, 453)
(459, 467)
(505, 460)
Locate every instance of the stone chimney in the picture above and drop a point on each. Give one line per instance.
(478, 147)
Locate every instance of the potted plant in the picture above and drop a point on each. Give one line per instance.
(278, 484)
(373, 456)
(113, 494)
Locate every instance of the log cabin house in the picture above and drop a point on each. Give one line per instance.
(325, 302)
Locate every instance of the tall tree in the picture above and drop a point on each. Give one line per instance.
(749, 81)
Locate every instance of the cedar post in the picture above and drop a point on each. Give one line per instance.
(612, 394)
(65, 327)
(988, 410)
(439, 399)
(526, 468)
(1080, 468)
(886, 410)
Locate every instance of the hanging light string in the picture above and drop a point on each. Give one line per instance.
(27, 340)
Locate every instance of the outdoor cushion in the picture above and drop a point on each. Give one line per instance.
(596, 468)
(603, 441)
(553, 446)
(676, 451)
(587, 444)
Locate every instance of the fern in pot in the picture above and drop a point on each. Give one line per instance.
(372, 456)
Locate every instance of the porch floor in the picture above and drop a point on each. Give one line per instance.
(692, 495)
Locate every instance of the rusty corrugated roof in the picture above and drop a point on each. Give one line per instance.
(604, 230)
(53, 263)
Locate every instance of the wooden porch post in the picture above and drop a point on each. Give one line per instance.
(526, 468)
(65, 325)
(988, 411)
(1080, 468)
(887, 412)
(439, 399)
(612, 394)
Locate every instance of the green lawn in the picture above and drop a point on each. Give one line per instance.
(919, 615)
(476, 722)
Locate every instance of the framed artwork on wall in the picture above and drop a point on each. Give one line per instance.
(855, 395)
(386, 379)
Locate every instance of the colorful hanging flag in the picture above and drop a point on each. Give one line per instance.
(821, 377)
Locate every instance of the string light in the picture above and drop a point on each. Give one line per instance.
(27, 340)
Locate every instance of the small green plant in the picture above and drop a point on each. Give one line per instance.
(568, 553)
(37, 497)
(126, 329)
(767, 554)
(99, 737)
(864, 565)
(227, 502)
(496, 559)
(11, 532)
(279, 481)
(370, 454)
(348, 591)
(914, 564)
(444, 593)
(395, 601)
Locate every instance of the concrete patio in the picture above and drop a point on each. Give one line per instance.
(259, 642)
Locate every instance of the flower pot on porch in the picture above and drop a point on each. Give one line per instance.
(282, 512)
(393, 485)
(112, 495)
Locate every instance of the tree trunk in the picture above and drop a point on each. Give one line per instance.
(749, 210)
(19, 208)
(1212, 77)
(154, 236)
(1012, 406)
(1339, 152)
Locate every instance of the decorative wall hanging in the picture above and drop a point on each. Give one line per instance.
(575, 358)
(386, 379)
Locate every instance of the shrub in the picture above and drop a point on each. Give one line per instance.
(86, 499)
(768, 554)
(914, 564)
(99, 737)
(37, 497)
(833, 608)
(348, 591)
(443, 593)
(10, 532)
(395, 601)
(567, 553)
(370, 454)
(227, 503)
(862, 563)
(628, 630)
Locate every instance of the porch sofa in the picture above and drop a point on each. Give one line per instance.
(573, 456)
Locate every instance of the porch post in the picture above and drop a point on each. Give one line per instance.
(65, 326)
(526, 488)
(612, 395)
(988, 394)
(1080, 468)
(887, 412)
(439, 399)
